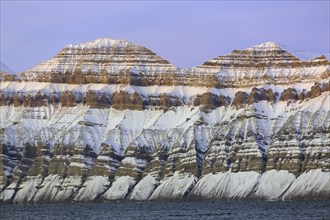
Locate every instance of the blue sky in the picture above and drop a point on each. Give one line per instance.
(186, 33)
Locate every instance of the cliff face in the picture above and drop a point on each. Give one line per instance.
(110, 120)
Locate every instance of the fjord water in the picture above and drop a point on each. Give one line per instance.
(172, 210)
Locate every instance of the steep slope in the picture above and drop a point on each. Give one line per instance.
(110, 120)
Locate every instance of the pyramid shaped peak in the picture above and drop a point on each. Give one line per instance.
(302, 55)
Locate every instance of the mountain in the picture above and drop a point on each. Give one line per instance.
(101, 61)
(110, 120)
(6, 73)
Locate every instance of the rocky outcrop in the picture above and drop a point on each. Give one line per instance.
(211, 101)
(124, 100)
(109, 120)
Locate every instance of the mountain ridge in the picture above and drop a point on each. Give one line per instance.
(120, 62)
(100, 124)
(108, 42)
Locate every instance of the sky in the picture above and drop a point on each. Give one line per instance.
(186, 33)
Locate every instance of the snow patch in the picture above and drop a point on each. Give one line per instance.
(175, 187)
(93, 187)
(226, 185)
(309, 184)
(99, 43)
(144, 188)
(28, 189)
(120, 188)
(273, 184)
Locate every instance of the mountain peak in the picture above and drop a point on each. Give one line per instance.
(99, 43)
(270, 45)
(302, 55)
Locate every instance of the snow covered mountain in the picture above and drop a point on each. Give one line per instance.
(110, 120)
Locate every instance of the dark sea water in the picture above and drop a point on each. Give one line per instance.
(171, 210)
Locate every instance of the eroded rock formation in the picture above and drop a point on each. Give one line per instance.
(109, 120)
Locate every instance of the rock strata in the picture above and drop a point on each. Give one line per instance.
(110, 120)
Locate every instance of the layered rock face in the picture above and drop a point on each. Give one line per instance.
(109, 120)
(104, 61)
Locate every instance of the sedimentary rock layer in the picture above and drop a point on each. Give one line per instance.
(109, 120)
(121, 62)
